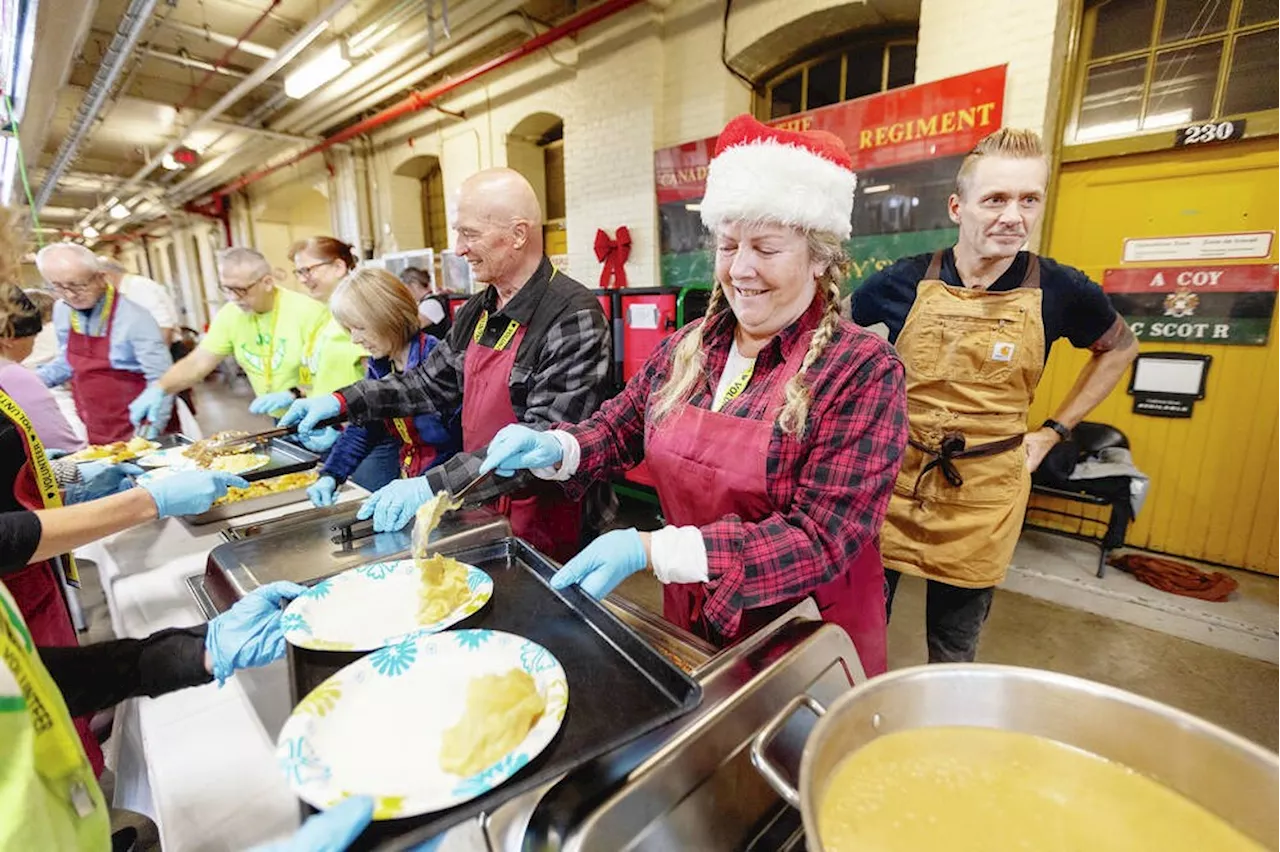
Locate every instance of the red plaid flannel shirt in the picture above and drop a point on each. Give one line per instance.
(833, 485)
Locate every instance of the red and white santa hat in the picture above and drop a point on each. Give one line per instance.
(760, 173)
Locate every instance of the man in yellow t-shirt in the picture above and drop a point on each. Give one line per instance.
(266, 328)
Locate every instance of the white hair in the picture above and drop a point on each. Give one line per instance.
(86, 259)
(248, 260)
(107, 264)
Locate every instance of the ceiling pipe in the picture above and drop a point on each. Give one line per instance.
(135, 20)
(207, 34)
(402, 76)
(226, 54)
(282, 57)
(387, 64)
(192, 62)
(490, 35)
(423, 99)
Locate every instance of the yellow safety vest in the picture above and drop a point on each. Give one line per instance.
(49, 798)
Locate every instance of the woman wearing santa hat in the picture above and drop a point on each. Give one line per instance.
(773, 427)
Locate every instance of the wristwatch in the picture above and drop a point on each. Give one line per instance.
(1063, 432)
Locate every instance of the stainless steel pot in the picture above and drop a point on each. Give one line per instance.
(1229, 776)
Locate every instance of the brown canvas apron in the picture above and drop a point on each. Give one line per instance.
(973, 361)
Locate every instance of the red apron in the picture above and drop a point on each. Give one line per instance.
(415, 455)
(708, 465)
(539, 514)
(102, 393)
(38, 594)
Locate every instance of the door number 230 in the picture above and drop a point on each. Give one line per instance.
(1213, 131)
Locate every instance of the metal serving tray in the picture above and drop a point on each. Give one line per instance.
(620, 687)
(239, 508)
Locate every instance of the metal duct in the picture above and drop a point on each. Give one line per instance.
(126, 38)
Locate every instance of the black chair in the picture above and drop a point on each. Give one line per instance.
(1052, 479)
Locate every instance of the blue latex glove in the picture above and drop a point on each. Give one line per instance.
(324, 491)
(604, 563)
(517, 447)
(248, 635)
(269, 403)
(190, 492)
(319, 442)
(106, 479)
(148, 407)
(52, 453)
(392, 506)
(310, 411)
(331, 831)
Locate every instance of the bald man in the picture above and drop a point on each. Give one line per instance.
(532, 348)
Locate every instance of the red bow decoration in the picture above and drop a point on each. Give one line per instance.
(613, 253)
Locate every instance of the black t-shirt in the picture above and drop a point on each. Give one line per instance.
(1072, 306)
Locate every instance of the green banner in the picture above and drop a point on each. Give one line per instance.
(868, 254)
(1245, 331)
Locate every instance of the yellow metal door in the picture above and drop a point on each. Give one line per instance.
(1213, 477)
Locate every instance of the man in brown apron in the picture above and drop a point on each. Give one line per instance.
(973, 325)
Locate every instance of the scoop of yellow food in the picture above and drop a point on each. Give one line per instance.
(443, 588)
(501, 709)
(262, 488)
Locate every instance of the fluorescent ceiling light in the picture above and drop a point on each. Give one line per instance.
(90, 232)
(119, 211)
(170, 163)
(317, 71)
(879, 187)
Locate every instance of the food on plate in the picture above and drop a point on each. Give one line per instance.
(120, 451)
(288, 482)
(206, 449)
(501, 709)
(980, 788)
(428, 518)
(443, 588)
(238, 463)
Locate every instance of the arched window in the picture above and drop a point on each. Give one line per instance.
(855, 68)
(1152, 65)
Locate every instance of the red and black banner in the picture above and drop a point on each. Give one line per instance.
(1196, 304)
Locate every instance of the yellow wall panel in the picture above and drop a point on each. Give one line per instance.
(1213, 476)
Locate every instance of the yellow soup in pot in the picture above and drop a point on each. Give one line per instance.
(969, 789)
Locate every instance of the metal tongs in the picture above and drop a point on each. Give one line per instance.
(353, 531)
(456, 500)
(226, 444)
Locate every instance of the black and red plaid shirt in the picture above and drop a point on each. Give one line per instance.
(832, 486)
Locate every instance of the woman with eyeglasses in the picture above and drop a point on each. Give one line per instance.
(330, 360)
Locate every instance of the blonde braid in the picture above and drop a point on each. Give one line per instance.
(688, 363)
(827, 248)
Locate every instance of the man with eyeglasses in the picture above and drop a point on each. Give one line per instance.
(263, 326)
(110, 348)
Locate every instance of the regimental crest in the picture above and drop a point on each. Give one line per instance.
(1181, 303)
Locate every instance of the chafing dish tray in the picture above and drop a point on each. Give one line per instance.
(620, 688)
(310, 545)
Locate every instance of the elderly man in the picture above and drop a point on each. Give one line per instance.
(110, 348)
(151, 295)
(974, 324)
(265, 327)
(532, 347)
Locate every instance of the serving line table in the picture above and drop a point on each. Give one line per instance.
(200, 762)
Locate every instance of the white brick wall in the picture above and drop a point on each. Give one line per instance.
(957, 36)
(699, 95)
